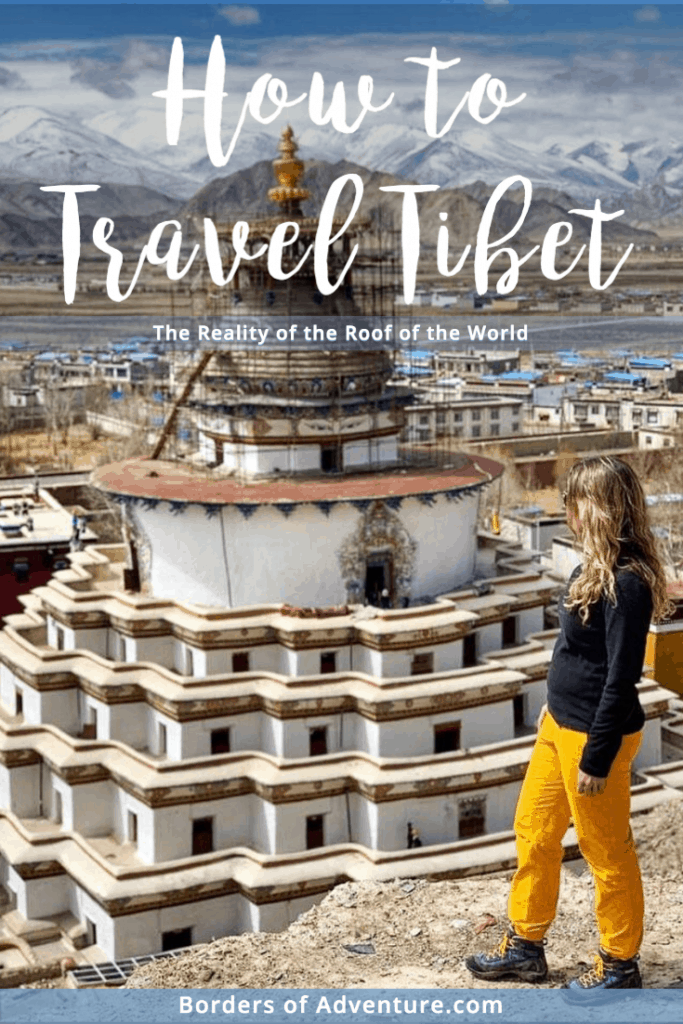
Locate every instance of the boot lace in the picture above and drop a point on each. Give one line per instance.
(499, 950)
(595, 974)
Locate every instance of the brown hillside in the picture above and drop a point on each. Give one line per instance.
(415, 933)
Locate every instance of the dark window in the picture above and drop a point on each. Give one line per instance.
(518, 715)
(422, 663)
(328, 662)
(132, 827)
(220, 741)
(163, 739)
(510, 631)
(177, 939)
(471, 819)
(446, 737)
(330, 458)
(18, 702)
(240, 662)
(91, 932)
(59, 638)
(202, 836)
(469, 650)
(314, 832)
(318, 741)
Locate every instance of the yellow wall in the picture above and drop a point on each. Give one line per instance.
(664, 659)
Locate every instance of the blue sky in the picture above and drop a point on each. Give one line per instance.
(33, 21)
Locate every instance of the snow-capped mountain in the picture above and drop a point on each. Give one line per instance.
(454, 161)
(480, 155)
(39, 146)
(119, 148)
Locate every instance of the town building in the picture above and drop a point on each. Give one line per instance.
(476, 361)
(464, 419)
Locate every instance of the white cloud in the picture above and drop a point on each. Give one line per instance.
(623, 90)
(237, 15)
(647, 13)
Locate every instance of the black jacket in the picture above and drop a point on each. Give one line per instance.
(595, 668)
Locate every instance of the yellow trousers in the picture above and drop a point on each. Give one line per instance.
(548, 801)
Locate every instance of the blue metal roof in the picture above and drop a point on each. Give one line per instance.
(413, 371)
(622, 377)
(528, 375)
(574, 359)
(418, 353)
(649, 363)
(528, 510)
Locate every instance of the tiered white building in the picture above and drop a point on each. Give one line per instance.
(300, 668)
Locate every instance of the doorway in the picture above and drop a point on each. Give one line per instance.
(315, 834)
(379, 576)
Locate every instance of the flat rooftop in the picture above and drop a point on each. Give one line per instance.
(174, 481)
(51, 523)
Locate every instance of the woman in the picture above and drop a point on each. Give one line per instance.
(589, 734)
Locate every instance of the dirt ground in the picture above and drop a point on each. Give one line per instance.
(20, 452)
(413, 933)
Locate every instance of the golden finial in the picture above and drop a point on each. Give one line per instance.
(288, 171)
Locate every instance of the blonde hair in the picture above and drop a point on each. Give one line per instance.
(607, 502)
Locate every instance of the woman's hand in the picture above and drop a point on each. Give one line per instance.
(590, 785)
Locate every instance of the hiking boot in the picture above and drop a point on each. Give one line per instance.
(515, 957)
(607, 973)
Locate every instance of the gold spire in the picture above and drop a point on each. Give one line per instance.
(288, 171)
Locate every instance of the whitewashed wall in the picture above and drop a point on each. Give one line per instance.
(272, 558)
(20, 790)
(650, 752)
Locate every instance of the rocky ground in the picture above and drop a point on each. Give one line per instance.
(413, 933)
